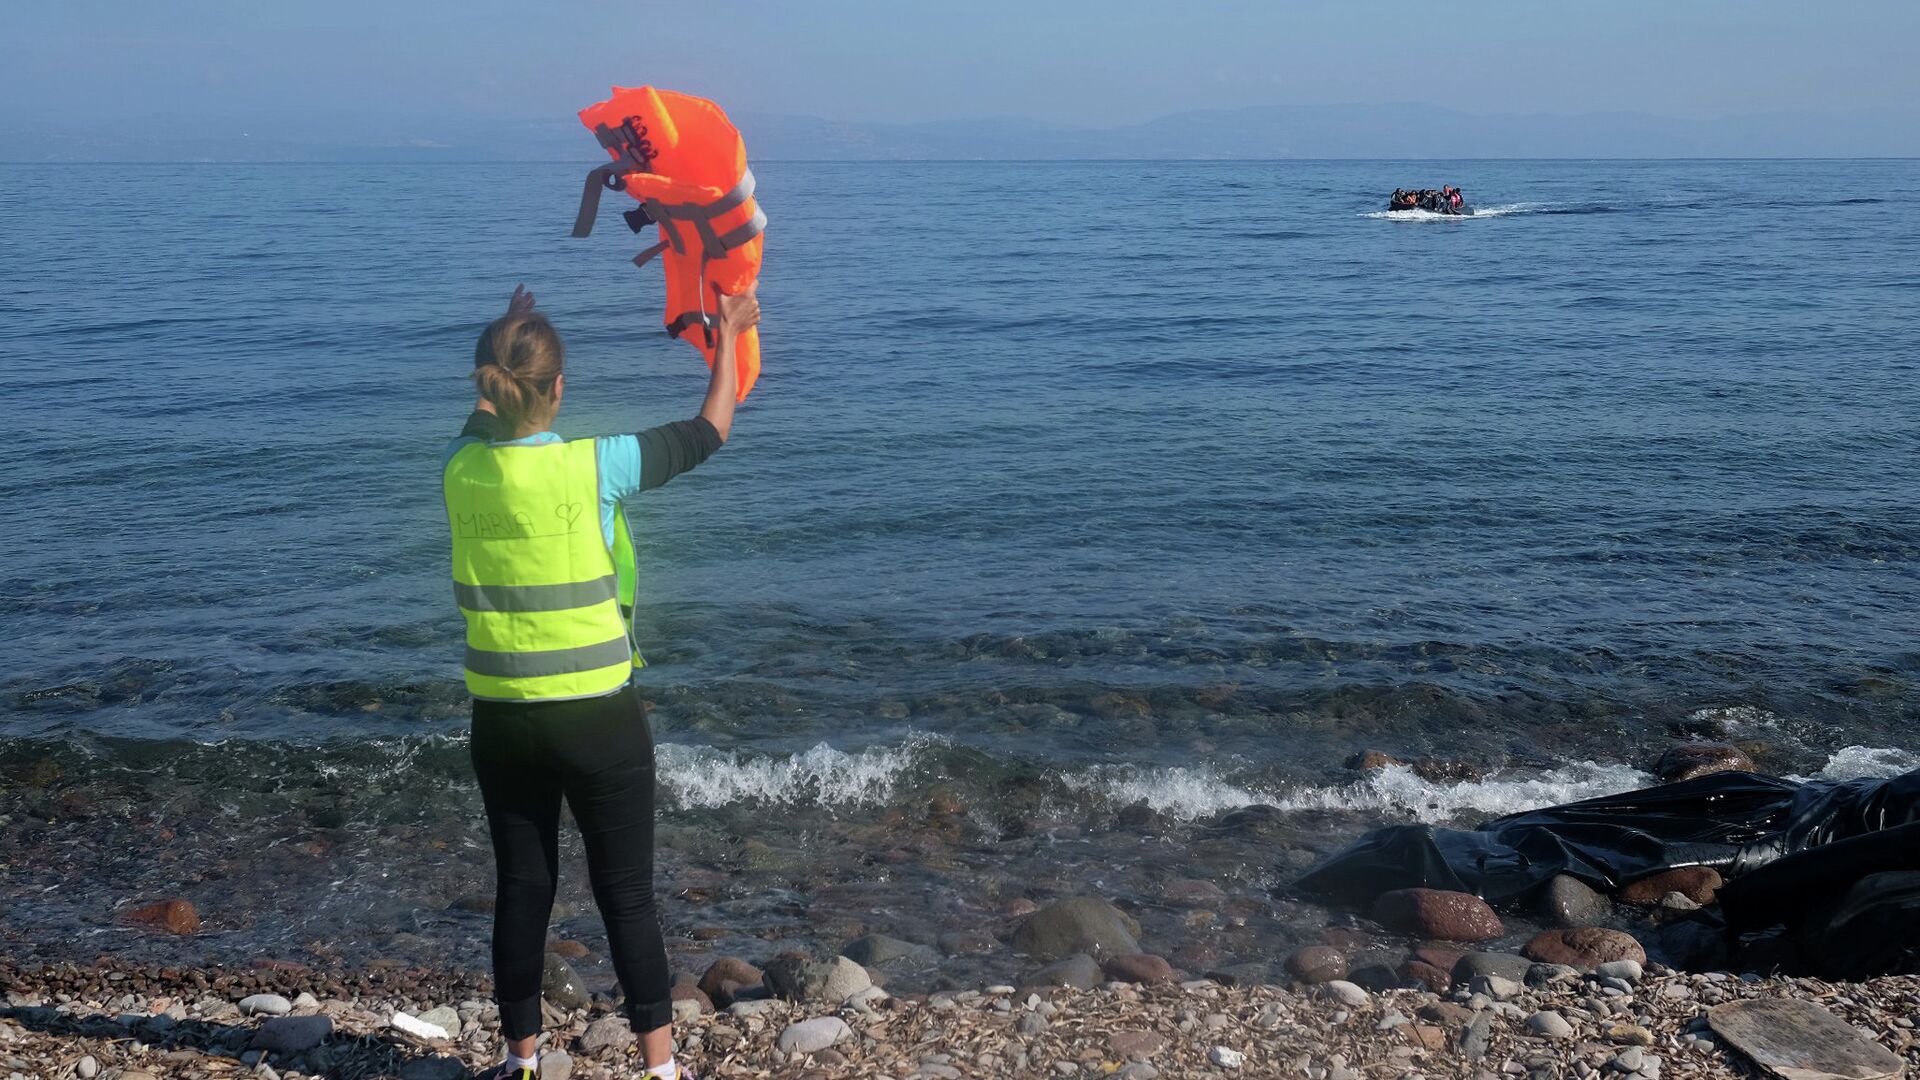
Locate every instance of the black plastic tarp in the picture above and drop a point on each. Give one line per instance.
(1733, 821)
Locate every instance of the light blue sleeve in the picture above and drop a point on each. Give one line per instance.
(619, 457)
(455, 447)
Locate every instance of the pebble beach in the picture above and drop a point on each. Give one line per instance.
(113, 1022)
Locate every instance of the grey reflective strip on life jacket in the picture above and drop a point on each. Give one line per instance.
(590, 200)
(679, 324)
(572, 594)
(534, 665)
(754, 226)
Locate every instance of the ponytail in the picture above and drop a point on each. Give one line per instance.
(515, 365)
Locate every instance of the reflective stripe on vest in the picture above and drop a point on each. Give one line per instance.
(539, 588)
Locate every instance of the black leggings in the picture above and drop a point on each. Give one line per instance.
(598, 754)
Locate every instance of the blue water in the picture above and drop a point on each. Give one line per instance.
(1066, 485)
(1650, 430)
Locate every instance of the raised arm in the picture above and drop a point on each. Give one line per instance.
(738, 314)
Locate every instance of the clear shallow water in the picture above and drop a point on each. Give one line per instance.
(1088, 483)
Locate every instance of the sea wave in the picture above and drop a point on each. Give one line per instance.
(699, 777)
(1396, 791)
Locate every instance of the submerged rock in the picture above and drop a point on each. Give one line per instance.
(1689, 761)
(876, 949)
(1439, 914)
(560, 985)
(1569, 904)
(1083, 924)
(1144, 968)
(1317, 964)
(172, 916)
(1079, 971)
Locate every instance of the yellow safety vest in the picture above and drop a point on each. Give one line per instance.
(541, 591)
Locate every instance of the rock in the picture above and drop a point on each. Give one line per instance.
(1696, 883)
(287, 1035)
(726, 977)
(876, 949)
(1316, 964)
(1551, 976)
(1226, 1057)
(1689, 761)
(1031, 1024)
(1496, 987)
(1431, 968)
(1446, 1013)
(1138, 1070)
(1798, 1040)
(1133, 1043)
(759, 1007)
(1143, 968)
(1368, 760)
(1585, 948)
(1568, 903)
(1550, 1025)
(1079, 971)
(1475, 964)
(800, 978)
(1630, 970)
(1438, 914)
(568, 950)
(87, 1068)
(560, 985)
(693, 996)
(1475, 1039)
(418, 1028)
(442, 1017)
(1083, 924)
(306, 1001)
(556, 1065)
(171, 916)
(265, 1005)
(1376, 978)
(606, 1033)
(1344, 992)
(1629, 1060)
(811, 1036)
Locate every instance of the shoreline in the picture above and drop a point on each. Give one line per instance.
(119, 1023)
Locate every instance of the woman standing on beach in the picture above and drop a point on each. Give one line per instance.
(543, 573)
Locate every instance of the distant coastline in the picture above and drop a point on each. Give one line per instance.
(1279, 133)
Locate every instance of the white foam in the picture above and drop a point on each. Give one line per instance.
(1399, 790)
(1856, 762)
(1737, 719)
(701, 777)
(1429, 215)
(1177, 792)
(1395, 791)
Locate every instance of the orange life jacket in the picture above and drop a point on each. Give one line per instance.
(683, 160)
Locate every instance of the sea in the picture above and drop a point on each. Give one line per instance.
(1086, 520)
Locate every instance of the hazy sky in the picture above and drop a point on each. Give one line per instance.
(1093, 62)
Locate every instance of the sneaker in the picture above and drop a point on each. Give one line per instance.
(503, 1071)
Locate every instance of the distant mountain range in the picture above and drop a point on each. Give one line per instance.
(1340, 131)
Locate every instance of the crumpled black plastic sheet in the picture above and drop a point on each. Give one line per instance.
(1735, 822)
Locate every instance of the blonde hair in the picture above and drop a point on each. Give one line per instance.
(515, 364)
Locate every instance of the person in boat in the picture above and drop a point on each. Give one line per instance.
(556, 715)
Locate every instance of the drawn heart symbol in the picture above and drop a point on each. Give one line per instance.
(569, 512)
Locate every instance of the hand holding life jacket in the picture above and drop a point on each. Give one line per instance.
(681, 158)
